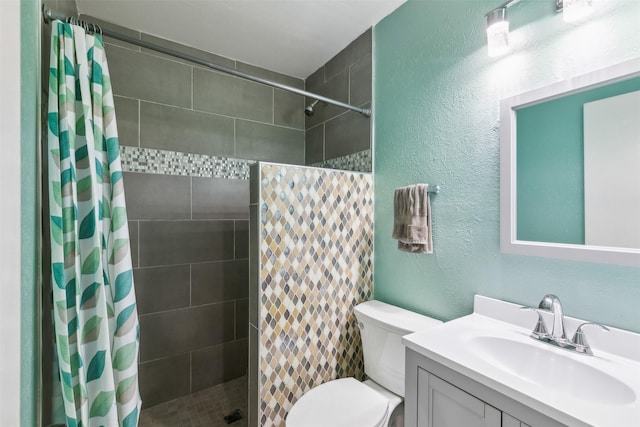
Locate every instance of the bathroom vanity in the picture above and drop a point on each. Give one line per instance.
(442, 397)
(484, 369)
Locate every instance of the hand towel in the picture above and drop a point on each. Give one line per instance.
(412, 219)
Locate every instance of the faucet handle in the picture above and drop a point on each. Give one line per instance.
(580, 340)
(540, 330)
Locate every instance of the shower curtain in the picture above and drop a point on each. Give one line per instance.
(94, 308)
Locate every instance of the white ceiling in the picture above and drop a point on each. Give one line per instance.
(293, 37)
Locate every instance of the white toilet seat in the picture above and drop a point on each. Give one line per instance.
(344, 402)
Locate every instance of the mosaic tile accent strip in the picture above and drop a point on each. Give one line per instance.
(360, 162)
(149, 160)
(316, 255)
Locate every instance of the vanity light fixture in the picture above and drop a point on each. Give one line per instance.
(497, 31)
(498, 24)
(573, 10)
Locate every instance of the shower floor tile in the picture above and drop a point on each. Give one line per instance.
(205, 408)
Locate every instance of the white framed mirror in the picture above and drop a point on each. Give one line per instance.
(560, 198)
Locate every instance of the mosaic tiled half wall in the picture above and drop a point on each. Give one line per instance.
(312, 263)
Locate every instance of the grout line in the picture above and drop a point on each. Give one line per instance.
(235, 317)
(269, 124)
(170, 310)
(324, 142)
(207, 304)
(133, 48)
(349, 84)
(139, 121)
(167, 57)
(138, 237)
(189, 220)
(314, 126)
(191, 263)
(192, 88)
(195, 110)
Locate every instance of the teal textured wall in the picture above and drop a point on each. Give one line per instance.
(29, 85)
(436, 107)
(551, 165)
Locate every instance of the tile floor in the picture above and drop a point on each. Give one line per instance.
(205, 408)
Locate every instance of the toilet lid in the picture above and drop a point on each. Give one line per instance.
(339, 403)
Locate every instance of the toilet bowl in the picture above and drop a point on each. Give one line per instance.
(347, 402)
(351, 404)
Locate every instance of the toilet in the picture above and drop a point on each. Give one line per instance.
(347, 402)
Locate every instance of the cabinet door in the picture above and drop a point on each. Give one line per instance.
(442, 405)
(509, 421)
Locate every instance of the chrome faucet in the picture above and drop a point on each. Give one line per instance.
(552, 303)
(558, 336)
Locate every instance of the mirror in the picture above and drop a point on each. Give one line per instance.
(554, 188)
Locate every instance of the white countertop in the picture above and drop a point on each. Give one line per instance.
(613, 399)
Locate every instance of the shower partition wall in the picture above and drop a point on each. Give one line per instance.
(311, 254)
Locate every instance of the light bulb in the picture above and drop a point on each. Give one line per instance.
(575, 10)
(497, 32)
(498, 38)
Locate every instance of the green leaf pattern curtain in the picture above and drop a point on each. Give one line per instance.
(95, 317)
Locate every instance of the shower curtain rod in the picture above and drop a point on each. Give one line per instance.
(50, 15)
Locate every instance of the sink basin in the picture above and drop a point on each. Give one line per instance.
(492, 347)
(548, 367)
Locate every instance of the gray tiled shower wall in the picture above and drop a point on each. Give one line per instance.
(333, 132)
(189, 240)
(189, 234)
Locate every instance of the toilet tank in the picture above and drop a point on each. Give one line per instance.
(381, 328)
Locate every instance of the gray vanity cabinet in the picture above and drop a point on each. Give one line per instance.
(443, 405)
(509, 421)
(437, 396)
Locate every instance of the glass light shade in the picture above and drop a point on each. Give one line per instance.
(498, 38)
(575, 10)
(497, 31)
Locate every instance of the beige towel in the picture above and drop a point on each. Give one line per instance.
(412, 219)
